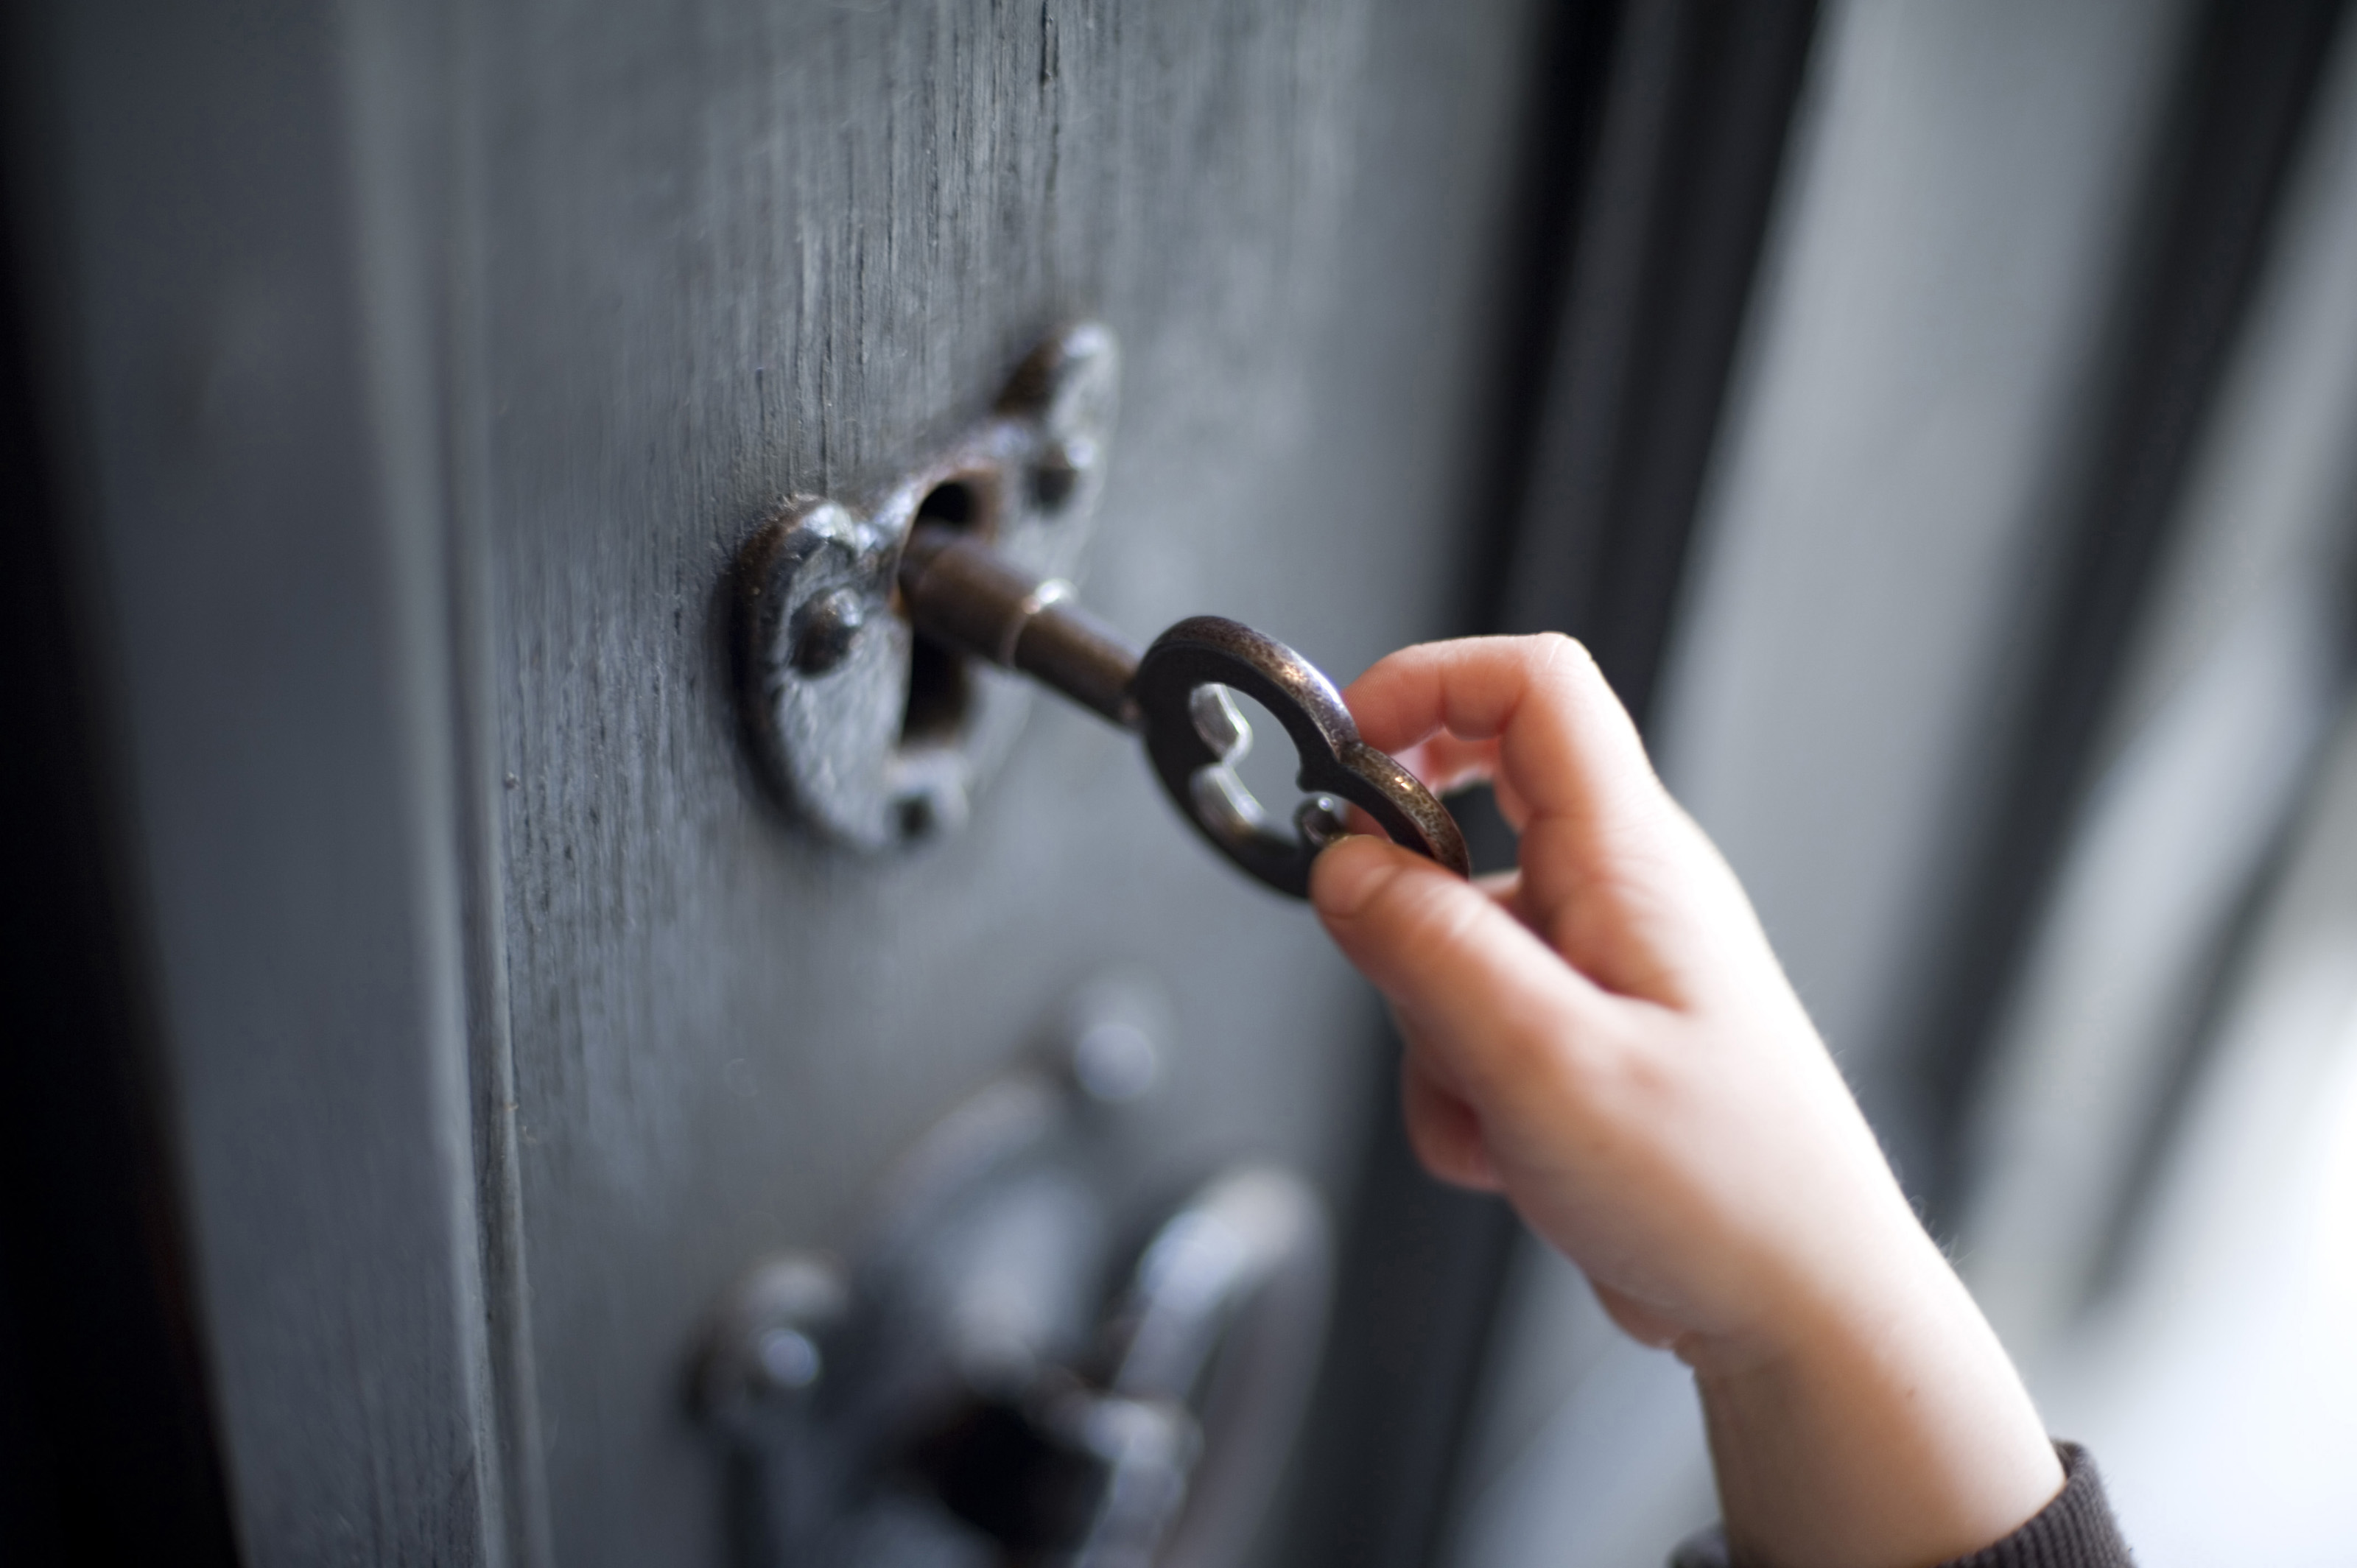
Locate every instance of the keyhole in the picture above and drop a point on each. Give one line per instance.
(1260, 771)
(1269, 763)
(940, 691)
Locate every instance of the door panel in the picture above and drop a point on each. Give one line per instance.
(408, 377)
(745, 252)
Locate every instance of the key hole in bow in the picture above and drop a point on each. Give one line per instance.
(939, 687)
(1262, 761)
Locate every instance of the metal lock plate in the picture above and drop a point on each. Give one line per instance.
(873, 737)
(1001, 1372)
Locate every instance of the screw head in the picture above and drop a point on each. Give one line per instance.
(787, 1360)
(830, 625)
(1056, 476)
(1113, 1031)
(1115, 1061)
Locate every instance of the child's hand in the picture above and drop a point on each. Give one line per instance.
(1606, 1038)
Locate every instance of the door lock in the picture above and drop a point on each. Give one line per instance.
(966, 1391)
(875, 736)
(978, 586)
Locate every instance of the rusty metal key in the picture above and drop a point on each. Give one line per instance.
(1176, 695)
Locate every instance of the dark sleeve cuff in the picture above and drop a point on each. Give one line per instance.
(2075, 1531)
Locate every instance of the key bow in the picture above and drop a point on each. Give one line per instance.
(1192, 735)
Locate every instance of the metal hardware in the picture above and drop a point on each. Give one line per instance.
(957, 1394)
(1194, 742)
(827, 670)
(956, 589)
(830, 672)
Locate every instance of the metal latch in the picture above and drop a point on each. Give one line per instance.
(980, 580)
(965, 1388)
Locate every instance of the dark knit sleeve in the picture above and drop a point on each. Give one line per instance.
(2075, 1531)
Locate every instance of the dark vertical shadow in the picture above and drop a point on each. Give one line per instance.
(2243, 92)
(1651, 304)
(1651, 149)
(107, 1453)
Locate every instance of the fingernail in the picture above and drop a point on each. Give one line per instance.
(1348, 873)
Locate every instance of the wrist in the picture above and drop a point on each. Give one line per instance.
(1885, 1427)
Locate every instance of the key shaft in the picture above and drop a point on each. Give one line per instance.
(959, 591)
(956, 589)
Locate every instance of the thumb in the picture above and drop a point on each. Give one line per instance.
(1483, 989)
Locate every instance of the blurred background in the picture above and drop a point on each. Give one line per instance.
(421, 1005)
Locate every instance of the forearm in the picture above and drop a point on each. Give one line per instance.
(1894, 1433)
(1609, 1041)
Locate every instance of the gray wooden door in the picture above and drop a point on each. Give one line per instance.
(421, 368)
(822, 239)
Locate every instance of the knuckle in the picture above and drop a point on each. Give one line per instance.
(1430, 914)
(1561, 654)
(1642, 1082)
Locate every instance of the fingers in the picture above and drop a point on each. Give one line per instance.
(1481, 988)
(1535, 714)
(1639, 1320)
(1613, 873)
(1447, 762)
(1443, 1130)
(1564, 743)
(1504, 887)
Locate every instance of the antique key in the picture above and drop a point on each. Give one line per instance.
(865, 723)
(956, 590)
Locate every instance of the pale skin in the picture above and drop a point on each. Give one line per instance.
(1605, 1037)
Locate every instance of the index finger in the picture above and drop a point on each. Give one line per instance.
(1565, 747)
